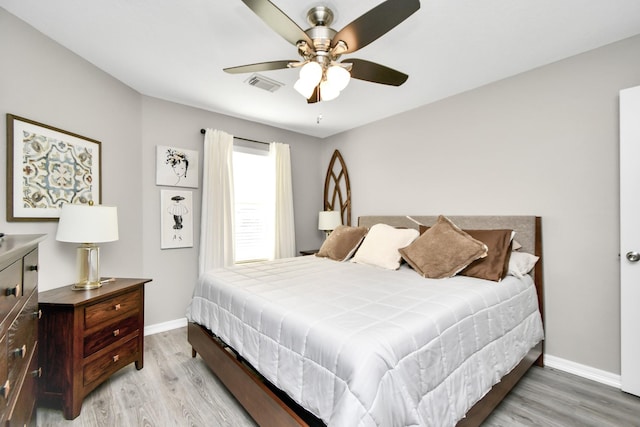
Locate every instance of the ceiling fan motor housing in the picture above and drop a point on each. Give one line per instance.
(320, 15)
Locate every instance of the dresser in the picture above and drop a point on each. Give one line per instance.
(19, 315)
(86, 336)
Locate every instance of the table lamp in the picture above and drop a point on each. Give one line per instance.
(329, 221)
(87, 225)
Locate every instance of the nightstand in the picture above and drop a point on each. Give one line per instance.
(86, 336)
(309, 252)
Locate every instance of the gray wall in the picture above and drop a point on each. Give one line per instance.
(42, 81)
(544, 142)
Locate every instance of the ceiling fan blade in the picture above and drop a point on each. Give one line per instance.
(376, 73)
(261, 66)
(278, 21)
(375, 23)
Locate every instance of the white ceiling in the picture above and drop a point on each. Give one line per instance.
(176, 50)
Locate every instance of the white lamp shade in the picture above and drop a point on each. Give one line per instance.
(329, 220)
(87, 224)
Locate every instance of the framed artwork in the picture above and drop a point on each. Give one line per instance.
(176, 167)
(48, 167)
(176, 219)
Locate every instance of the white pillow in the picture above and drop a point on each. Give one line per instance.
(521, 263)
(380, 246)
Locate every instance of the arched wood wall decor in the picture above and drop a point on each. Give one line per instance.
(337, 190)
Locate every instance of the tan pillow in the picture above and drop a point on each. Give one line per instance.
(443, 250)
(496, 264)
(342, 242)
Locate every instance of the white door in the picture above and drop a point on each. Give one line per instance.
(630, 239)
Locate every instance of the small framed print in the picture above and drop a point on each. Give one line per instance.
(48, 167)
(176, 167)
(176, 219)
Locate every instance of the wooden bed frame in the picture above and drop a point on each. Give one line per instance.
(268, 407)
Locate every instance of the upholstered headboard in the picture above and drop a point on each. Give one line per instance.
(524, 226)
(528, 233)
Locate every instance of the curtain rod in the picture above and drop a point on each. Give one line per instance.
(203, 131)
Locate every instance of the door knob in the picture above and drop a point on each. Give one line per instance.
(633, 256)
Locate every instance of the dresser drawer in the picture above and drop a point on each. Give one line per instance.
(109, 309)
(110, 334)
(113, 360)
(4, 373)
(30, 272)
(23, 413)
(10, 288)
(21, 340)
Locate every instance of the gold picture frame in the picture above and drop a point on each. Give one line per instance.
(48, 167)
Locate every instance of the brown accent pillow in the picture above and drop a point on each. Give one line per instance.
(496, 264)
(342, 242)
(443, 250)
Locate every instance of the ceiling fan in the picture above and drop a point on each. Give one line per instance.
(322, 77)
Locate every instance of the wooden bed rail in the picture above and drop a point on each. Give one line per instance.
(264, 406)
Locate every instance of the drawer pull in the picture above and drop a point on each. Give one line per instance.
(37, 314)
(116, 307)
(116, 332)
(6, 389)
(116, 358)
(15, 291)
(20, 352)
(37, 373)
(33, 268)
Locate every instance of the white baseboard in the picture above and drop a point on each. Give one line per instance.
(165, 326)
(554, 362)
(583, 371)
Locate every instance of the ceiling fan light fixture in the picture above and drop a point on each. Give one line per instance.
(304, 88)
(311, 73)
(328, 91)
(338, 77)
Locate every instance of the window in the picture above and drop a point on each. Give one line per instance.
(253, 193)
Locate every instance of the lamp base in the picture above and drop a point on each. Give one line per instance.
(88, 264)
(85, 286)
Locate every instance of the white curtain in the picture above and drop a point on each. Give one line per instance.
(284, 226)
(217, 219)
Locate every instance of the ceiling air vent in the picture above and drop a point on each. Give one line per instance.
(263, 82)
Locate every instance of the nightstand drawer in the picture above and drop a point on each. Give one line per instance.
(113, 360)
(110, 334)
(10, 288)
(109, 309)
(22, 339)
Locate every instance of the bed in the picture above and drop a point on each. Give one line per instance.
(367, 347)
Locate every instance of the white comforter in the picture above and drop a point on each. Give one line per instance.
(360, 346)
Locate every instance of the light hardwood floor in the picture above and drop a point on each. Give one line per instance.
(173, 389)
